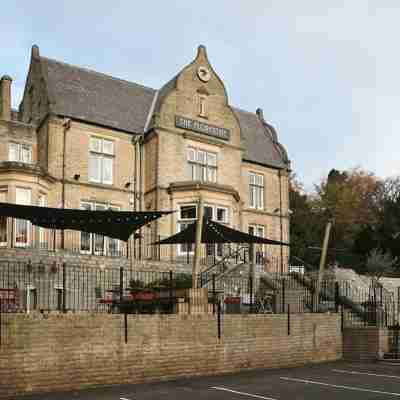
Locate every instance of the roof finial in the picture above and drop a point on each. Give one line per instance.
(202, 50)
(35, 51)
(260, 114)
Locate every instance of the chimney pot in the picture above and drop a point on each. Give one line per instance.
(5, 97)
(35, 51)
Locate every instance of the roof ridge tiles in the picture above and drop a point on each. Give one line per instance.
(92, 71)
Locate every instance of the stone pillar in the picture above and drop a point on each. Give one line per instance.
(5, 98)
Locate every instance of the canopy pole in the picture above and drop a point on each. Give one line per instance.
(197, 249)
(322, 260)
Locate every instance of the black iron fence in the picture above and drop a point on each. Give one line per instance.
(27, 287)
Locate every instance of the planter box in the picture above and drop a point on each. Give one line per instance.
(232, 300)
(144, 296)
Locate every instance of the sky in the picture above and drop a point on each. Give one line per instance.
(325, 73)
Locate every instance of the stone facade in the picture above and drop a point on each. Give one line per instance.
(72, 351)
(150, 168)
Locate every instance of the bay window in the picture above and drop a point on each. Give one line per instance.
(22, 227)
(3, 220)
(187, 216)
(42, 231)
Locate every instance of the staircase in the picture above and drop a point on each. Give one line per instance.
(228, 264)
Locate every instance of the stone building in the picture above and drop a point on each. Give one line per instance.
(82, 139)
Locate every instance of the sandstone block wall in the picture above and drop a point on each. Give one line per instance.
(72, 351)
(365, 344)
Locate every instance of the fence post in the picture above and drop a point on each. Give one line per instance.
(159, 248)
(219, 319)
(121, 284)
(336, 296)
(170, 290)
(1, 325)
(251, 292)
(288, 319)
(283, 295)
(341, 319)
(64, 293)
(213, 289)
(126, 327)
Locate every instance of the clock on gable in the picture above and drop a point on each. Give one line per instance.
(204, 74)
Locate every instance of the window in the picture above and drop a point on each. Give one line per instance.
(258, 230)
(101, 160)
(42, 231)
(93, 243)
(221, 215)
(256, 191)
(31, 298)
(203, 165)
(20, 152)
(187, 215)
(3, 220)
(22, 227)
(203, 106)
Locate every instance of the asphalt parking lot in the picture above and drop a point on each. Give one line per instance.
(322, 381)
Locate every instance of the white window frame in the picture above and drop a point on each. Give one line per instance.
(105, 251)
(19, 221)
(203, 164)
(3, 196)
(100, 153)
(42, 202)
(256, 190)
(19, 147)
(257, 228)
(182, 223)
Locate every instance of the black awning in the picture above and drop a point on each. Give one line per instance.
(214, 232)
(114, 224)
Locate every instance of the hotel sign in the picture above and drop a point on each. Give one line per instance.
(201, 127)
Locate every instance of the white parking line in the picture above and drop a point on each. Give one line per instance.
(123, 398)
(339, 386)
(257, 396)
(342, 371)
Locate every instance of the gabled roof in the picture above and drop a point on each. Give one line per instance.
(94, 97)
(101, 99)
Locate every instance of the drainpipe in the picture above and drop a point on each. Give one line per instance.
(280, 217)
(66, 126)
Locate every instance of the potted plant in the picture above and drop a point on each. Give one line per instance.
(140, 291)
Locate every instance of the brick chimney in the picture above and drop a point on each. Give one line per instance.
(5, 98)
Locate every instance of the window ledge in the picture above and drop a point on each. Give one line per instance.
(198, 185)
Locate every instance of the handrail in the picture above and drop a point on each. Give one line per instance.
(220, 262)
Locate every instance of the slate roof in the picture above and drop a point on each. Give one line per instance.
(260, 141)
(102, 99)
(94, 97)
